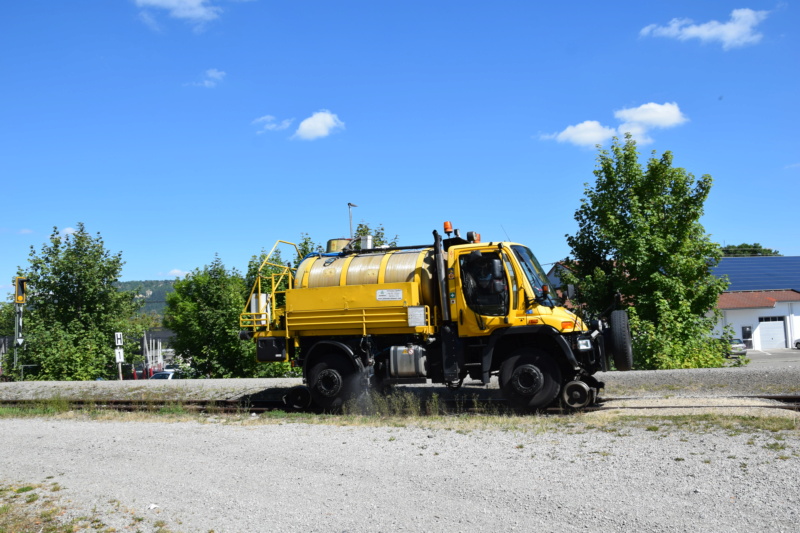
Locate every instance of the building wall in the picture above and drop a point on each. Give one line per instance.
(737, 318)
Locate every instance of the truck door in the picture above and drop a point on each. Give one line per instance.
(483, 297)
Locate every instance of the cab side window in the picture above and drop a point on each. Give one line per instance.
(484, 283)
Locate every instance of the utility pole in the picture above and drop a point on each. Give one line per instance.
(350, 210)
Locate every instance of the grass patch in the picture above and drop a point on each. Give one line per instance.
(36, 513)
(699, 423)
(173, 408)
(41, 511)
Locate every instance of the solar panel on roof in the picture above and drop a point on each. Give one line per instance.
(760, 273)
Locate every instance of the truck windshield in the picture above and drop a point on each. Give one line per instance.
(535, 274)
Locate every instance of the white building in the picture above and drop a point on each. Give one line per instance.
(762, 303)
(763, 319)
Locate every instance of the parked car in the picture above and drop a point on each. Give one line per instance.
(737, 347)
(167, 375)
(797, 344)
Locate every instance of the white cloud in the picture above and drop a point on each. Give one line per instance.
(25, 231)
(653, 115)
(67, 231)
(320, 124)
(736, 32)
(149, 21)
(197, 12)
(177, 273)
(637, 121)
(215, 74)
(212, 77)
(587, 133)
(268, 123)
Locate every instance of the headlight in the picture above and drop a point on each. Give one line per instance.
(584, 344)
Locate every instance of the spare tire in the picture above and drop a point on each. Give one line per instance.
(621, 346)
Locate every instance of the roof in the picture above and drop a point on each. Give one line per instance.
(760, 273)
(756, 299)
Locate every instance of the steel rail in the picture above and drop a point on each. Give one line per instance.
(785, 402)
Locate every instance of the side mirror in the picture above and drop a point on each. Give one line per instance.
(498, 287)
(497, 269)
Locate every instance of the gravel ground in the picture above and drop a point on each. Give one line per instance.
(592, 473)
(193, 476)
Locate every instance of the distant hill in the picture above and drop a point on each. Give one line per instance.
(154, 293)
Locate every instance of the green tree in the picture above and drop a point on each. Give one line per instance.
(378, 233)
(7, 318)
(747, 250)
(305, 247)
(74, 308)
(639, 234)
(203, 311)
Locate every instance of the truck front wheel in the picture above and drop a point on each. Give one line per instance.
(622, 351)
(530, 379)
(332, 381)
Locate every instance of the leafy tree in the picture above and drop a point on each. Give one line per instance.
(378, 235)
(74, 309)
(6, 319)
(639, 234)
(305, 247)
(203, 311)
(747, 250)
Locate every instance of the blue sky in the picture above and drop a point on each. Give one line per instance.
(181, 129)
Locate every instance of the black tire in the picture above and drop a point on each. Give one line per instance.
(530, 379)
(797, 345)
(332, 381)
(621, 346)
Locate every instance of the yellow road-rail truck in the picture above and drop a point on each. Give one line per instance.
(459, 308)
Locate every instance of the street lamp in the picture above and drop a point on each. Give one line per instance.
(350, 210)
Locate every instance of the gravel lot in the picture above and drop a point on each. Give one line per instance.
(540, 474)
(299, 477)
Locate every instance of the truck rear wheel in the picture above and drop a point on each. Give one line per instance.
(530, 379)
(332, 382)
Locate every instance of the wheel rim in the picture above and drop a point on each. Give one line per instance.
(329, 382)
(527, 380)
(576, 394)
(530, 379)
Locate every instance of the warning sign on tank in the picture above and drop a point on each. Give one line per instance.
(385, 295)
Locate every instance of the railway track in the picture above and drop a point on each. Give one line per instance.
(475, 405)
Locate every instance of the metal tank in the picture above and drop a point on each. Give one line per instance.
(395, 266)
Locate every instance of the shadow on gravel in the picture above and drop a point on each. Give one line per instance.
(405, 399)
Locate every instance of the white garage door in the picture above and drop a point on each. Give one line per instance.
(772, 335)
